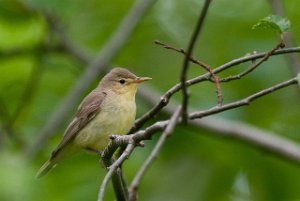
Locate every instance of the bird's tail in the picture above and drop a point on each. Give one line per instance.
(48, 165)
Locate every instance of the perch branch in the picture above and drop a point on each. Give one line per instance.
(166, 97)
(113, 168)
(271, 143)
(245, 101)
(155, 152)
(255, 64)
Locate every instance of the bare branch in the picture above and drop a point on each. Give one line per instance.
(108, 51)
(255, 64)
(200, 63)
(113, 168)
(155, 152)
(237, 130)
(190, 48)
(245, 101)
(253, 136)
(166, 97)
(263, 139)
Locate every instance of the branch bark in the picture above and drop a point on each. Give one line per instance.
(262, 139)
(198, 27)
(154, 154)
(164, 99)
(112, 170)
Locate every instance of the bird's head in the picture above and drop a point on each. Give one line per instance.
(122, 81)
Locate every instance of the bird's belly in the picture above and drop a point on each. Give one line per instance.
(115, 120)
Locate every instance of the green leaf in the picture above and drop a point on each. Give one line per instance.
(273, 22)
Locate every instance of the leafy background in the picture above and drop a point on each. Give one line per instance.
(194, 164)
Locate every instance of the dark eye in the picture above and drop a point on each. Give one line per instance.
(122, 81)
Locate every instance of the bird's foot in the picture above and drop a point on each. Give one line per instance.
(94, 150)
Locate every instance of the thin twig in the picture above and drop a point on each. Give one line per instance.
(192, 43)
(108, 51)
(200, 63)
(275, 144)
(245, 101)
(113, 168)
(278, 145)
(269, 142)
(254, 64)
(166, 97)
(155, 152)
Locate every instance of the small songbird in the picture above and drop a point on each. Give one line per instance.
(108, 109)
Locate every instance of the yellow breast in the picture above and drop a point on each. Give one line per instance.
(116, 116)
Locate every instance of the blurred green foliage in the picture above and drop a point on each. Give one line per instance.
(194, 165)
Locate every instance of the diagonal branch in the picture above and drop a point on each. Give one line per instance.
(269, 142)
(108, 51)
(166, 97)
(264, 140)
(255, 64)
(113, 168)
(192, 43)
(200, 63)
(155, 152)
(245, 101)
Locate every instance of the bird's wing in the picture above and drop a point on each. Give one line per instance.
(87, 110)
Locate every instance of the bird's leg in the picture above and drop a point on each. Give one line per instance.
(94, 150)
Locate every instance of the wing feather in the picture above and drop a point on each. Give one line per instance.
(87, 111)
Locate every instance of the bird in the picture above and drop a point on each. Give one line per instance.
(108, 109)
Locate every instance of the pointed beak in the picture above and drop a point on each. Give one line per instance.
(142, 79)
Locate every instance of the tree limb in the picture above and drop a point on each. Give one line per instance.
(166, 97)
(190, 48)
(113, 168)
(155, 152)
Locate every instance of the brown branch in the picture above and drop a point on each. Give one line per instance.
(164, 99)
(155, 152)
(113, 168)
(108, 51)
(234, 130)
(245, 101)
(264, 140)
(254, 64)
(183, 76)
(200, 63)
